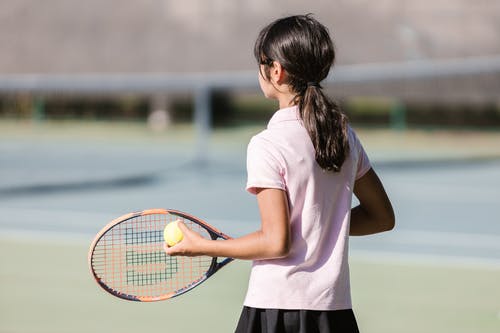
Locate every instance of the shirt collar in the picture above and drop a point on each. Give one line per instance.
(286, 114)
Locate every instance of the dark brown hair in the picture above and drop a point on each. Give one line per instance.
(306, 52)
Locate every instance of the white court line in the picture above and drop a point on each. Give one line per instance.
(416, 237)
(95, 220)
(52, 212)
(445, 238)
(41, 236)
(417, 259)
(400, 258)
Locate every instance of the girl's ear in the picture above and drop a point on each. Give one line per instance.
(278, 73)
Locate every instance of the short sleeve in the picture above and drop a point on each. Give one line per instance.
(363, 164)
(263, 167)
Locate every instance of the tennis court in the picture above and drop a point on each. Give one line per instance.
(61, 296)
(437, 271)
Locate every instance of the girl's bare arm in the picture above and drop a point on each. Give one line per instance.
(272, 240)
(374, 213)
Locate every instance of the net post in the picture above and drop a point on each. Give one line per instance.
(203, 122)
(38, 111)
(398, 116)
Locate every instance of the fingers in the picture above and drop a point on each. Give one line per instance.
(183, 227)
(166, 248)
(175, 250)
(189, 246)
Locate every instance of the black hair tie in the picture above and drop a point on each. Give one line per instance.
(313, 84)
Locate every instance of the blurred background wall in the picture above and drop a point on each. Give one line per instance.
(66, 37)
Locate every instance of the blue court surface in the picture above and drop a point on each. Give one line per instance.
(446, 200)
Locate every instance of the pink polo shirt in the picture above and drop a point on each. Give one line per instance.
(315, 275)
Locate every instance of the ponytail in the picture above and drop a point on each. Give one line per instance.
(327, 127)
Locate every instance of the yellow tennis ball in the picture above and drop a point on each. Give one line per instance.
(172, 234)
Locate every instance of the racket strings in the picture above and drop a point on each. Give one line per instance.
(130, 259)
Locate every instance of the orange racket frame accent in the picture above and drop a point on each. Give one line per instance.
(214, 266)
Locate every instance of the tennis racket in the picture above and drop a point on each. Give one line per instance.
(127, 258)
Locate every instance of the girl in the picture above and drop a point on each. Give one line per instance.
(303, 170)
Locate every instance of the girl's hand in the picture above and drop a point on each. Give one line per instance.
(189, 246)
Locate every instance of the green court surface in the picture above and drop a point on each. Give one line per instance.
(386, 142)
(46, 287)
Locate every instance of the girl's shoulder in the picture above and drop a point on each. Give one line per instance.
(261, 141)
(354, 141)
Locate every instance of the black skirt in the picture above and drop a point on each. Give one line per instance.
(254, 320)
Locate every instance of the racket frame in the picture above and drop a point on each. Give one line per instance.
(214, 266)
